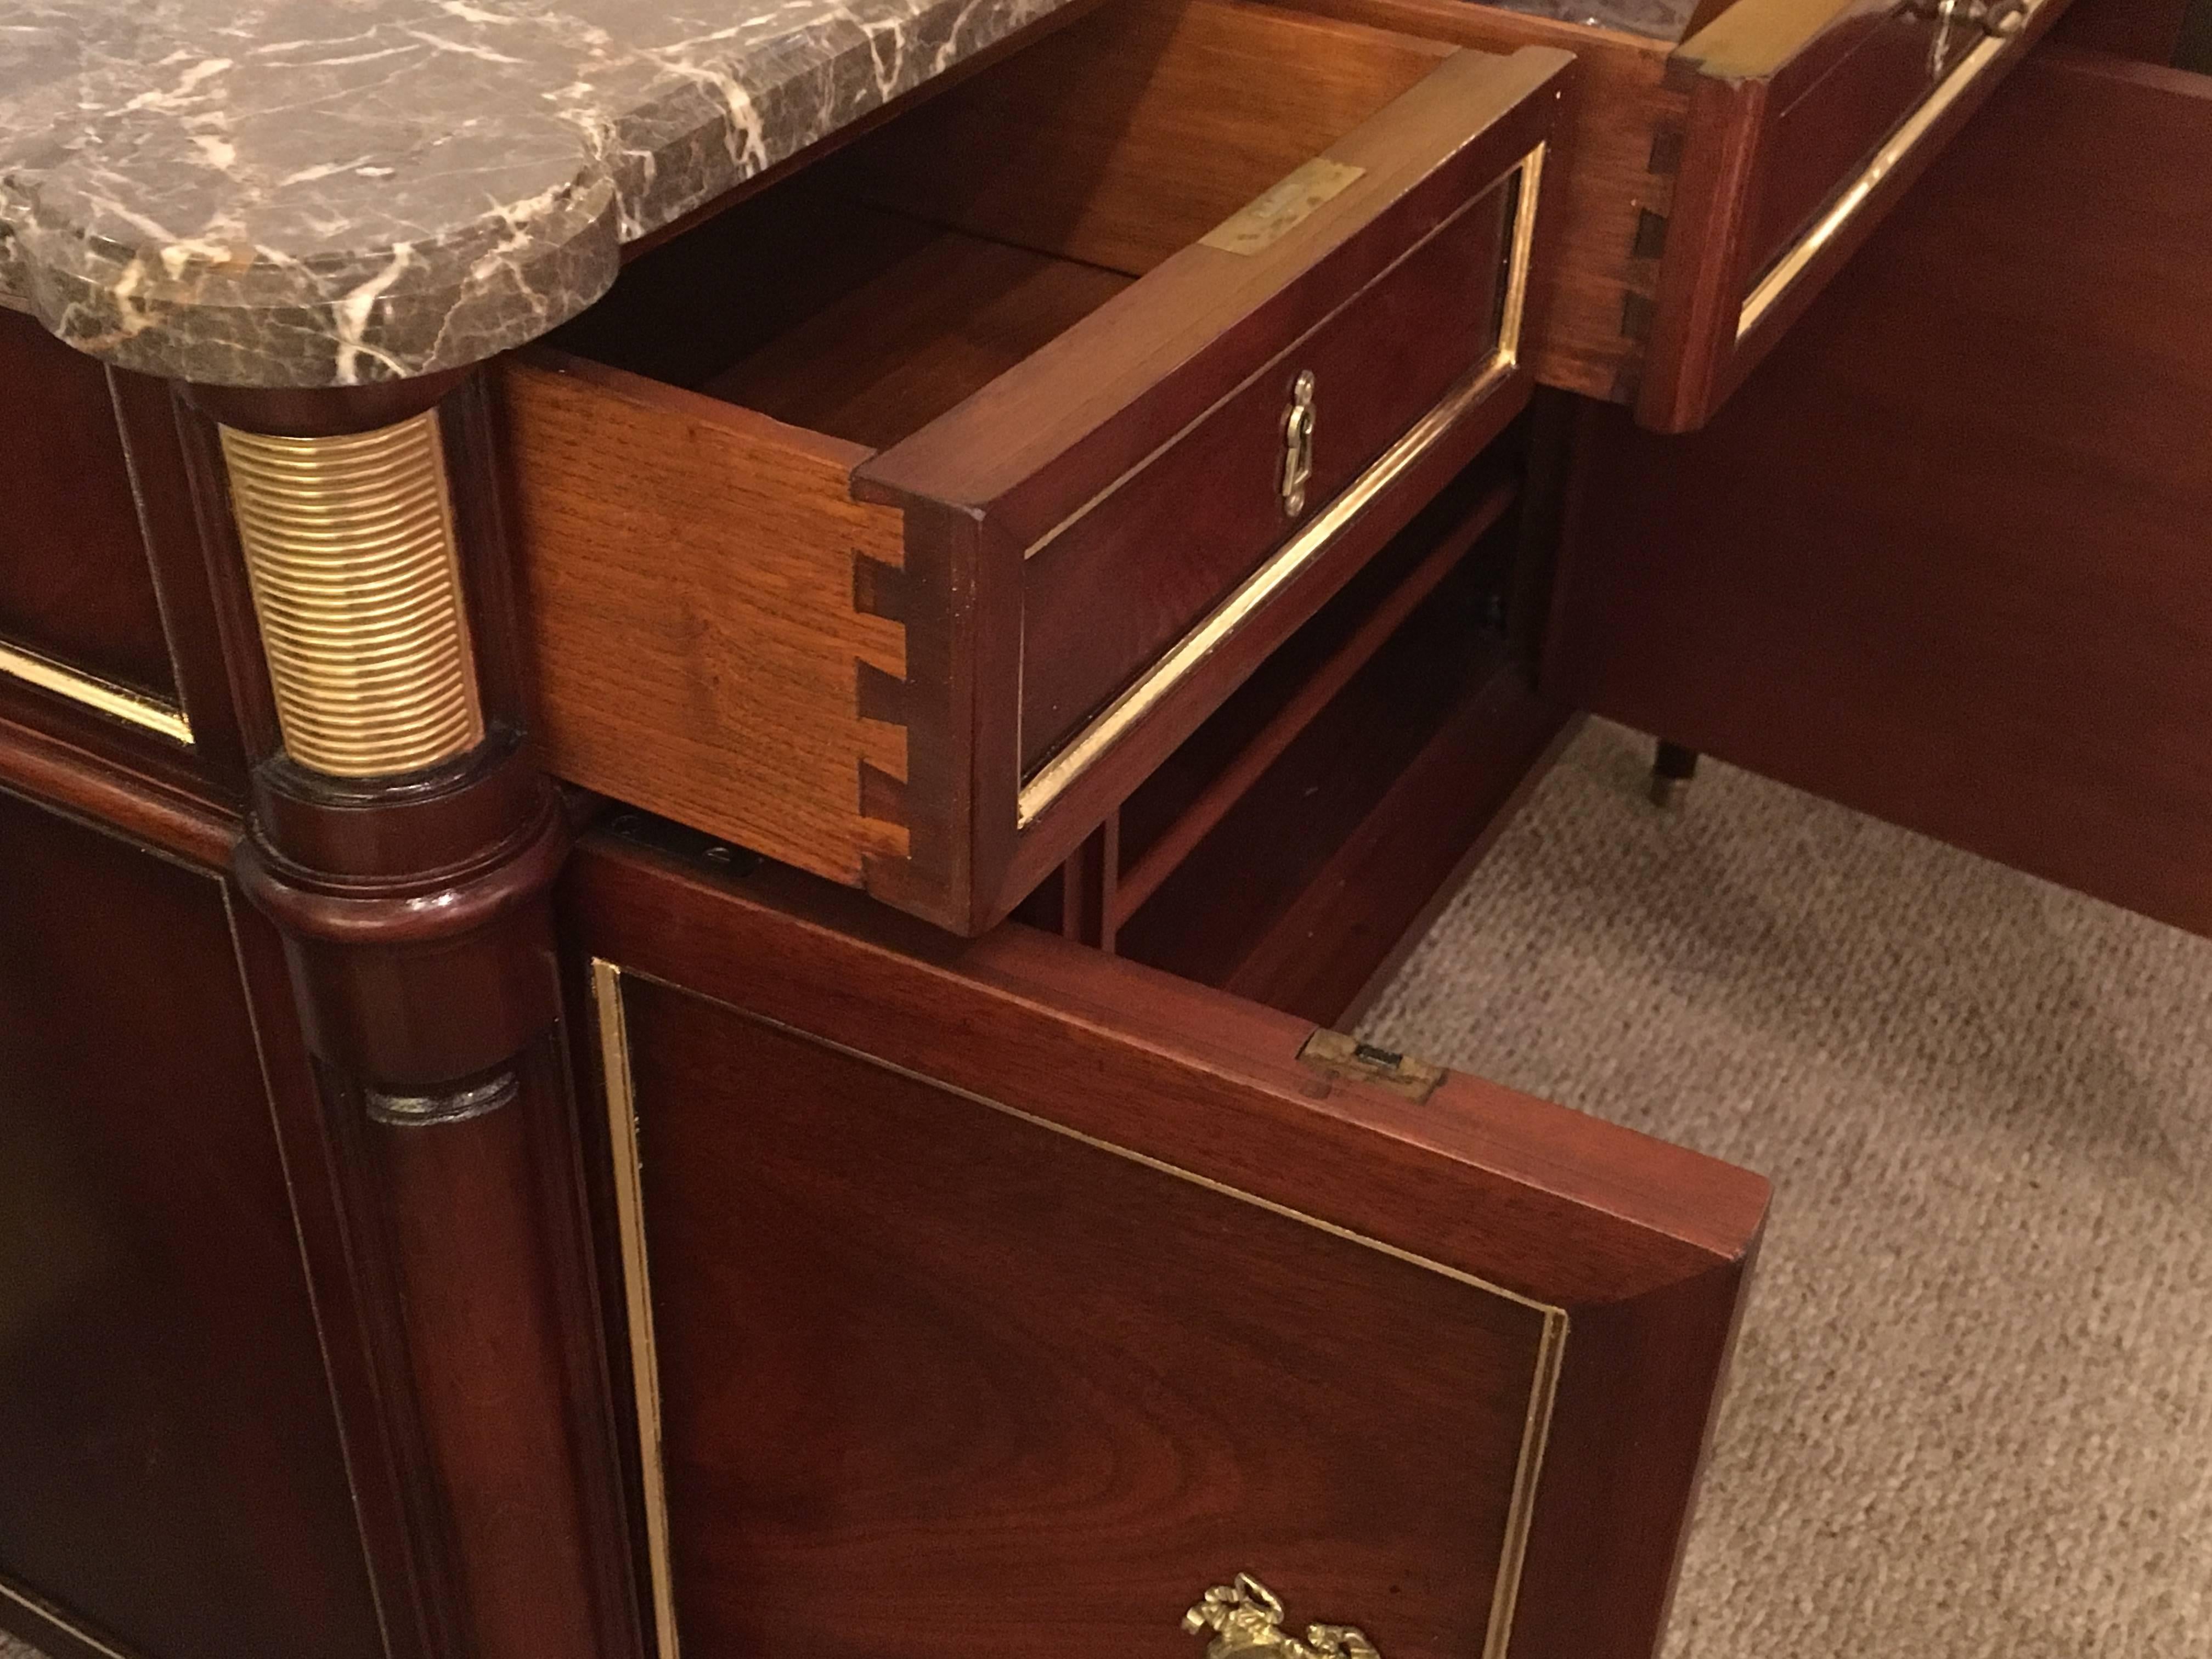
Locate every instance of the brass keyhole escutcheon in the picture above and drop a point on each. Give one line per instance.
(1298, 443)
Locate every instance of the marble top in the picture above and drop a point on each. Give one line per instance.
(330, 192)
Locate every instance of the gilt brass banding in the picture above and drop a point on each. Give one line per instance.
(637, 1292)
(1264, 584)
(350, 551)
(119, 701)
(1785, 271)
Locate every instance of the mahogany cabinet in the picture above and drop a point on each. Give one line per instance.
(819, 1127)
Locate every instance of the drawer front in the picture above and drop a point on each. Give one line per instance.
(1035, 1327)
(75, 589)
(1115, 502)
(80, 621)
(1805, 125)
(107, 630)
(1705, 190)
(1103, 597)
(1944, 557)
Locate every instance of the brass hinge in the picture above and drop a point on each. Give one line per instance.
(1334, 1055)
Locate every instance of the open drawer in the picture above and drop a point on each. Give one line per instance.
(998, 1296)
(1721, 160)
(1944, 558)
(897, 521)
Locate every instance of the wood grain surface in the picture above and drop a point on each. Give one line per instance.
(1175, 543)
(689, 575)
(883, 361)
(1141, 128)
(956, 1356)
(1041, 440)
(726, 635)
(1790, 101)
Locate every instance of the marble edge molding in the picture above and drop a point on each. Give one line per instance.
(335, 192)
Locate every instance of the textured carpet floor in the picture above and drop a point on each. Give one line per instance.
(1972, 1412)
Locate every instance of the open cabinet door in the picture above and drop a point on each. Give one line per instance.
(1001, 1298)
(1947, 556)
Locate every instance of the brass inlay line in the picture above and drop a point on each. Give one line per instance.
(1543, 1371)
(357, 580)
(1520, 1508)
(1786, 271)
(637, 1289)
(1257, 591)
(119, 701)
(53, 1618)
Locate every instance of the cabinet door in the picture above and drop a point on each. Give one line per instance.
(171, 1479)
(1002, 1297)
(1948, 557)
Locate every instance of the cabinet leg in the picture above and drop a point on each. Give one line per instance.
(1672, 769)
(404, 845)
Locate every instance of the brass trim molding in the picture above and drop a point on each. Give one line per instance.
(1785, 270)
(120, 702)
(637, 1291)
(350, 552)
(1257, 591)
(614, 1048)
(52, 1616)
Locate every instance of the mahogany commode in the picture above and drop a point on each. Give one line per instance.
(516, 775)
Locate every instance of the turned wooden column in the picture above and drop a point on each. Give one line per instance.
(404, 846)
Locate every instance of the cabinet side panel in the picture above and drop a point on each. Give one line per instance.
(171, 1477)
(707, 614)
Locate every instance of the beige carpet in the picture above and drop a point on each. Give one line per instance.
(1972, 1412)
(1972, 1415)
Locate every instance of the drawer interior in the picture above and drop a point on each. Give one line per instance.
(861, 322)
(885, 286)
(891, 482)
(1666, 20)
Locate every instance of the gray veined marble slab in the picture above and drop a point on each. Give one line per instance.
(329, 192)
